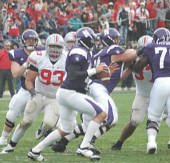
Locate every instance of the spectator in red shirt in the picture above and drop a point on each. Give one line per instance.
(62, 20)
(33, 13)
(5, 70)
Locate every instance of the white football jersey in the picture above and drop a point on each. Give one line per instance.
(143, 81)
(50, 76)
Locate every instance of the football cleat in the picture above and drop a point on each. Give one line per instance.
(116, 146)
(86, 152)
(151, 148)
(35, 156)
(169, 144)
(42, 132)
(60, 146)
(94, 149)
(3, 141)
(7, 149)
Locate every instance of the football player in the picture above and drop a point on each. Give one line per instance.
(70, 40)
(100, 91)
(18, 68)
(157, 56)
(47, 70)
(72, 97)
(144, 83)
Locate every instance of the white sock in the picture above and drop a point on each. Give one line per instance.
(18, 134)
(70, 137)
(152, 133)
(5, 134)
(91, 130)
(53, 136)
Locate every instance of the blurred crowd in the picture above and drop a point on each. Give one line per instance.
(132, 18)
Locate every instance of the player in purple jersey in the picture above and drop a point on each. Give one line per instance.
(18, 69)
(157, 56)
(72, 97)
(100, 91)
(46, 69)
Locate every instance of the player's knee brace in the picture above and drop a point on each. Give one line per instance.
(152, 124)
(9, 124)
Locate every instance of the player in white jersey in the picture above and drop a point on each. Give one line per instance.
(18, 69)
(47, 70)
(140, 104)
(69, 39)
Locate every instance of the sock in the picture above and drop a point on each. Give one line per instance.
(152, 133)
(5, 134)
(91, 130)
(102, 129)
(18, 134)
(52, 137)
(78, 131)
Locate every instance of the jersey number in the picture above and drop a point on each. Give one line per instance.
(46, 75)
(163, 51)
(140, 75)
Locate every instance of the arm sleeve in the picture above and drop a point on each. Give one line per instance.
(33, 68)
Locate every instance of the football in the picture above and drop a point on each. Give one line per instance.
(104, 76)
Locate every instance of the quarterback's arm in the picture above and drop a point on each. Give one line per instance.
(75, 72)
(128, 55)
(18, 70)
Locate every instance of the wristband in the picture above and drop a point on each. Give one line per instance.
(91, 71)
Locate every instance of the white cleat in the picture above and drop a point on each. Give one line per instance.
(7, 149)
(35, 156)
(151, 148)
(3, 141)
(86, 152)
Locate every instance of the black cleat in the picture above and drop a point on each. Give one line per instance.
(60, 146)
(116, 146)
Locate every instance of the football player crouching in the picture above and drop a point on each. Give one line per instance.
(47, 70)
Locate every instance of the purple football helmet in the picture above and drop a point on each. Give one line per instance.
(161, 35)
(32, 44)
(110, 37)
(85, 37)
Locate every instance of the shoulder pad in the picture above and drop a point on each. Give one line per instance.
(78, 55)
(35, 57)
(114, 50)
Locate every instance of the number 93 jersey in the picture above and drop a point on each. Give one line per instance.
(50, 76)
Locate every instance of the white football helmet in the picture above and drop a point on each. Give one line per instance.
(54, 46)
(70, 39)
(143, 41)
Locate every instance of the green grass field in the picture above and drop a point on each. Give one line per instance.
(133, 151)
